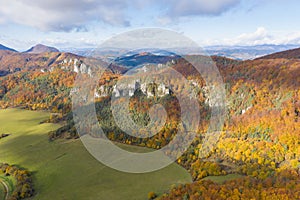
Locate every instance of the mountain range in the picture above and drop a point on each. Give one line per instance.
(41, 56)
(247, 52)
(39, 48)
(234, 52)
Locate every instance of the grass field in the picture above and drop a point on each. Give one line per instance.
(222, 179)
(64, 170)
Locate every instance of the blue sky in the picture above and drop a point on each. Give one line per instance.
(87, 23)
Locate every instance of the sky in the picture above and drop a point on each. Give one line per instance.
(87, 23)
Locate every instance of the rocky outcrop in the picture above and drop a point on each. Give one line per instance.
(129, 89)
(77, 66)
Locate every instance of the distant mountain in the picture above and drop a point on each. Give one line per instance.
(40, 48)
(289, 54)
(247, 52)
(234, 52)
(104, 53)
(2, 47)
(134, 59)
(121, 55)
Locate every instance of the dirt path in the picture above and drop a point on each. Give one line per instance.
(6, 189)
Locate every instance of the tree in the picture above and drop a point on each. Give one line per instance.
(151, 195)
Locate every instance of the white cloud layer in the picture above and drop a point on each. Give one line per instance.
(259, 37)
(67, 15)
(199, 7)
(62, 15)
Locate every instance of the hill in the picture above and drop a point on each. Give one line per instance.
(11, 62)
(40, 48)
(2, 47)
(289, 54)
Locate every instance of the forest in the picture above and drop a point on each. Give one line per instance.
(260, 138)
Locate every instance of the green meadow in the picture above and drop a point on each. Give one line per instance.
(64, 170)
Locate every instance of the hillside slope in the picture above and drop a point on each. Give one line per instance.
(14, 61)
(40, 48)
(289, 54)
(2, 47)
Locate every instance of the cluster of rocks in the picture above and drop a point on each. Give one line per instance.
(74, 65)
(128, 89)
(77, 66)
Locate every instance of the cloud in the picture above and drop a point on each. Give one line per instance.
(63, 15)
(291, 38)
(199, 7)
(176, 10)
(259, 37)
(74, 15)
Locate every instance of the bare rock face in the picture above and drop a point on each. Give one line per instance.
(125, 90)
